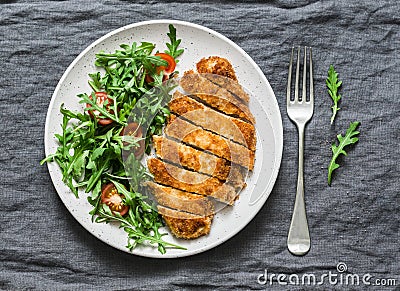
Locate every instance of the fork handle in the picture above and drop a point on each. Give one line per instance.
(299, 237)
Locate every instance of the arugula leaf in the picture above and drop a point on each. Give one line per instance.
(173, 46)
(348, 139)
(79, 163)
(333, 85)
(96, 83)
(135, 234)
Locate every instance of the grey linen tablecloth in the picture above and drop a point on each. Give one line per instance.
(355, 221)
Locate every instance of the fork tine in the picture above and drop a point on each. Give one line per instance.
(304, 96)
(296, 88)
(289, 78)
(311, 79)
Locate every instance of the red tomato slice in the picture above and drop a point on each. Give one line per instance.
(111, 197)
(101, 98)
(166, 69)
(134, 129)
(171, 63)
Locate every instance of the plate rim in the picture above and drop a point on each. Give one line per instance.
(279, 150)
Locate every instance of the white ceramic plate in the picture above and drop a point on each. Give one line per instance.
(198, 42)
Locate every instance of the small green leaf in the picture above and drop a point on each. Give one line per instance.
(97, 153)
(333, 85)
(337, 150)
(80, 163)
(173, 46)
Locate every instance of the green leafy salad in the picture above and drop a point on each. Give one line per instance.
(100, 148)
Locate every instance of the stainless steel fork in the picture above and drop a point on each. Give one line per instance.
(300, 112)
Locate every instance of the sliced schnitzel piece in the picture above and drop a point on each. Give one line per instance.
(176, 177)
(185, 225)
(216, 65)
(232, 86)
(220, 71)
(181, 200)
(193, 135)
(233, 128)
(199, 161)
(215, 96)
(179, 153)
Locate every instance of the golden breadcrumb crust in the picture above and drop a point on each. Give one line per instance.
(215, 96)
(232, 128)
(185, 225)
(193, 135)
(181, 200)
(220, 71)
(173, 176)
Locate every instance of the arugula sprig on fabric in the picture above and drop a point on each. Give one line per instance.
(333, 84)
(337, 150)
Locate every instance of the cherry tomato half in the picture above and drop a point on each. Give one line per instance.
(135, 130)
(101, 98)
(166, 69)
(171, 63)
(111, 197)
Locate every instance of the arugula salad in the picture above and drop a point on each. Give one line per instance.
(100, 148)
